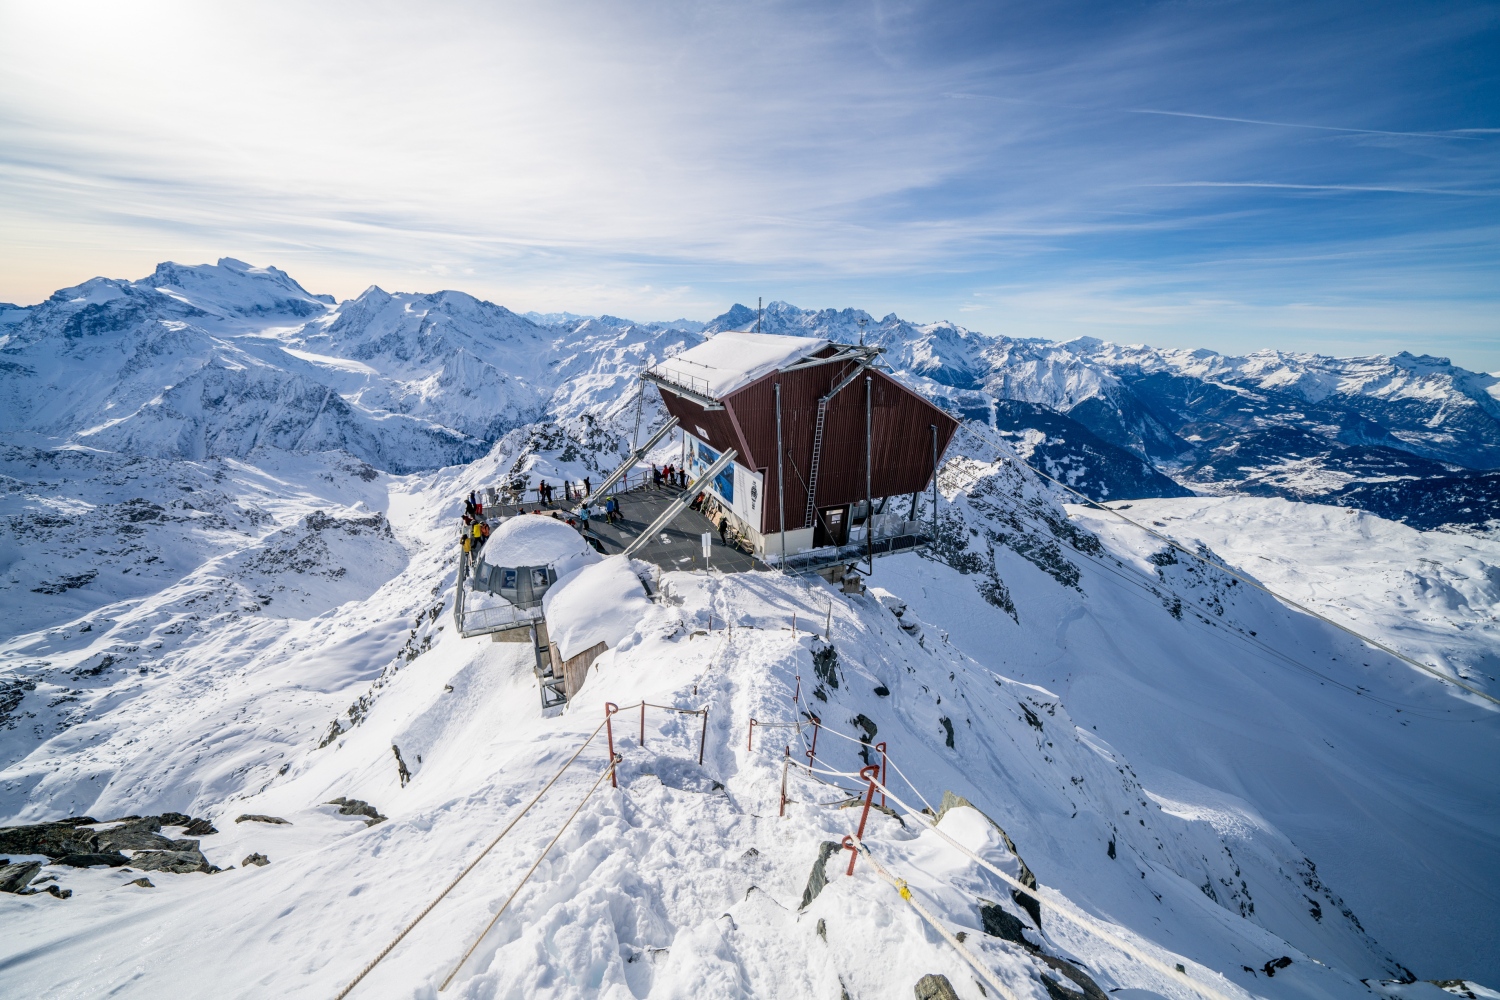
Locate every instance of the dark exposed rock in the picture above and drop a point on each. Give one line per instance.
(357, 807)
(258, 818)
(257, 859)
(143, 882)
(1276, 963)
(171, 861)
(1001, 924)
(58, 892)
(935, 987)
(14, 878)
(825, 661)
(1026, 878)
(819, 877)
(52, 839)
(113, 859)
(137, 834)
(947, 724)
(1057, 991)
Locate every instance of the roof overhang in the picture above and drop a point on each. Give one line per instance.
(682, 386)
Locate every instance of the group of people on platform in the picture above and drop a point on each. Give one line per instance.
(546, 492)
(476, 530)
(671, 475)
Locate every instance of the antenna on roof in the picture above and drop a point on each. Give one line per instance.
(861, 331)
(757, 313)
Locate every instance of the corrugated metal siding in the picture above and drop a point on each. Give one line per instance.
(902, 441)
(713, 426)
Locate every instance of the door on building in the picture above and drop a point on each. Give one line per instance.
(832, 527)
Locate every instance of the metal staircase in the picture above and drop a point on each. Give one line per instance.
(817, 455)
(862, 362)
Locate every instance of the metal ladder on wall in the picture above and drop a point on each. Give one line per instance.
(817, 454)
(547, 678)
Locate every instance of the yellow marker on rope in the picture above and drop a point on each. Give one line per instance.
(901, 888)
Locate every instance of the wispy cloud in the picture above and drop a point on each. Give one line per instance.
(1331, 187)
(1451, 134)
(569, 156)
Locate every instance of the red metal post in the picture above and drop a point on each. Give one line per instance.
(750, 740)
(785, 766)
(798, 696)
(703, 737)
(817, 723)
(881, 747)
(610, 708)
(867, 773)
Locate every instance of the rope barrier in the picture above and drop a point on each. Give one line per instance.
(930, 822)
(534, 865)
(1076, 918)
(905, 892)
(1375, 643)
(440, 896)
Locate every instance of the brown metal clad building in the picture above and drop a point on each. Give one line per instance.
(906, 435)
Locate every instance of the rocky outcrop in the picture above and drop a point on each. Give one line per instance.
(84, 842)
(935, 987)
(14, 878)
(357, 807)
(1025, 877)
(819, 877)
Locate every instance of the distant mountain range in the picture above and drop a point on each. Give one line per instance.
(221, 360)
(1412, 438)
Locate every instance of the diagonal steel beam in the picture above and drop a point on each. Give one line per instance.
(679, 505)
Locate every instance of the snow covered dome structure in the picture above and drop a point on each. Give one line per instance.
(526, 555)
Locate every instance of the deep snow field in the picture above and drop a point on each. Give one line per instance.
(1222, 781)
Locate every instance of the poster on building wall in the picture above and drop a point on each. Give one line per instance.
(741, 490)
(749, 487)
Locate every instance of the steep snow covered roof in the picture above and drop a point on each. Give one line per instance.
(600, 603)
(732, 359)
(533, 540)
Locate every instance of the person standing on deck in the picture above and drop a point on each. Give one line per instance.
(587, 486)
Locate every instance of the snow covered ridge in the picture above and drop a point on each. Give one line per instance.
(219, 360)
(216, 361)
(1302, 426)
(1213, 777)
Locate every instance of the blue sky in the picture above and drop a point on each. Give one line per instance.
(1303, 176)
